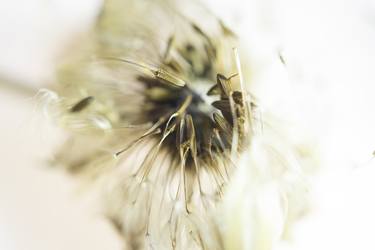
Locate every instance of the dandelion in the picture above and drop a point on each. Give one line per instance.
(159, 115)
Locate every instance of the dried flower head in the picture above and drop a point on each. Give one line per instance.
(158, 115)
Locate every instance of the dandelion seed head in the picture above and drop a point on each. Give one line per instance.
(159, 115)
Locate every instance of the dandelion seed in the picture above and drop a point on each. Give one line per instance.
(82, 104)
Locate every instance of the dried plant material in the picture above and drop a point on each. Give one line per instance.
(159, 116)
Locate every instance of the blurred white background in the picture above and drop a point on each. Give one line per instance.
(326, 87)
